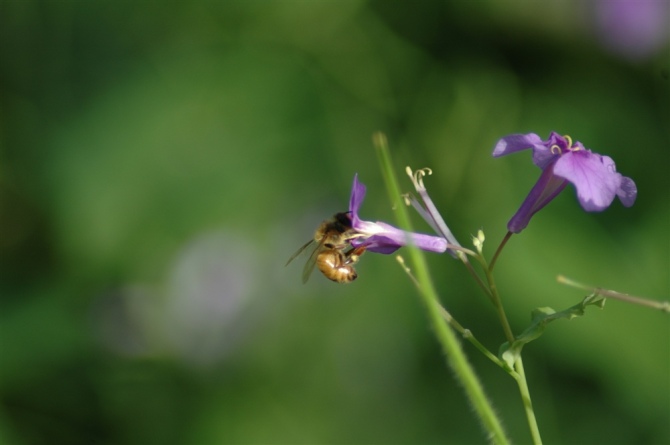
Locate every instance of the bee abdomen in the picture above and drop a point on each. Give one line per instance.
(332, 264)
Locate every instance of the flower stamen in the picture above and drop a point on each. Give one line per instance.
(571, 146)
(420, 173)
(417, 176)
(428, 211)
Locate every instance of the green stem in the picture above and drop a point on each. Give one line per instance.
(660, 305)
(465, 333)
(518, 364)
(527, 403)
(445, 335)
(499, 249)
(497, 302)
(474, 274)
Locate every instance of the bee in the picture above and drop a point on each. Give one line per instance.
(338, 266)
(330, 253)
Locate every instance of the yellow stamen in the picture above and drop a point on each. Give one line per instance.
(570, 146)
(556, 150)
(419, 174)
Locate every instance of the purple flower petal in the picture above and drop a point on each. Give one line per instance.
(594, 177)
(423, 242)
(542, 153)
(393, 239)
(356, 199)
(377, 244)
(627, 191)
(516, 142)
(545, 189)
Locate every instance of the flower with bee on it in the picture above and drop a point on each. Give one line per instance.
(339, 242)
(380, 237)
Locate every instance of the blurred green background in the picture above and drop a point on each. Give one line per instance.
(160, 161)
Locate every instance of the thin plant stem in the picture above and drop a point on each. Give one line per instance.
(654, 304)
(497, 302)
(455, 356)
(518, 373)
(508, 235)
(520, 376)
(465, 333)
(477, 278)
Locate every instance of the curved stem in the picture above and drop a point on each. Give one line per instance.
(500, 248)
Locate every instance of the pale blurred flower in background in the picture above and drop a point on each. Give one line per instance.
(634, 29)
(197, 316)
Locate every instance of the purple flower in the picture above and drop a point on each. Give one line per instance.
(593, 175)
(635, 29)
(383, 238)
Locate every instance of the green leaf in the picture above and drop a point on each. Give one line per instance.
(540, 318)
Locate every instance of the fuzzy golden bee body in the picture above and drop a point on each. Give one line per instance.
(332, 253)
(335, 266)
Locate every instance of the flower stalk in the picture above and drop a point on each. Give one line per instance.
(465, 333)
(663, 306)
(519, 375)
(455, 356)
(499, 250)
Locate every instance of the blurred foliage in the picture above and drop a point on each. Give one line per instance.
(160, 161)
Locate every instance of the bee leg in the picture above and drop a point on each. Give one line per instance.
(354, 255)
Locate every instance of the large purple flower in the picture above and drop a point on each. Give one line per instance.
(383, 238)
(593, 175)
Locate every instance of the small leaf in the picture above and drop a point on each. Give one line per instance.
(509, 355)
(541, 317)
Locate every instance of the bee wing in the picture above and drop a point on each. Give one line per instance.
(298, 252)
(311, 262)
